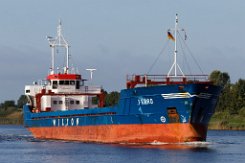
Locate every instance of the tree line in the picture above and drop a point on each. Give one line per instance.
(11, 103)
(232, 98)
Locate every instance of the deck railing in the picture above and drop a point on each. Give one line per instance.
(133, 80)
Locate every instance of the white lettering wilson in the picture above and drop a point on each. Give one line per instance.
(66, 122)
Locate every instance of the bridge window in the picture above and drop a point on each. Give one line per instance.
(55, 84)
(54, 102)
(67, 82)
(61, 82)
(77, 84)
(71, 102)
(72, 82)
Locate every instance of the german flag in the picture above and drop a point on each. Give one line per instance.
(170, 36)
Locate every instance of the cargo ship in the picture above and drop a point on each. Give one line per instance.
(170, 108)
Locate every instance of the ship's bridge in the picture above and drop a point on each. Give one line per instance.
(61, 83)
(69, 83)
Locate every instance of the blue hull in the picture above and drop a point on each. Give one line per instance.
(190, 103)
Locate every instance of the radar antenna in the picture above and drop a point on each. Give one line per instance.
(91, 72)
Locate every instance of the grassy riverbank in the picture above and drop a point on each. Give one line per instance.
(11, 116)
(226, 121)
(219, 121)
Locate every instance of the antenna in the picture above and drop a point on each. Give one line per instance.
(57, 42)
(175, 65)
(91, 72)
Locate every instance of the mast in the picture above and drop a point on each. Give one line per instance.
(175, 65)
(58, 42)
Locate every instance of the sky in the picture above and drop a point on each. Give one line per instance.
(117, 37)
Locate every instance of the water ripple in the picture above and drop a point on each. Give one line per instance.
(14, 138)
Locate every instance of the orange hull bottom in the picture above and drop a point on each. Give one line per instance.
(134, 133)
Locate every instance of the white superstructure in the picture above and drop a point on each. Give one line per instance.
(62, 90)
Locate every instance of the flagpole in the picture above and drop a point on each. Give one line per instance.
(175, 46)
(175, 65)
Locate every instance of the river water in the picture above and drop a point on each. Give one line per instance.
(18, 145)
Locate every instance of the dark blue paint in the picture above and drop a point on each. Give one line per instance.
(142, 105)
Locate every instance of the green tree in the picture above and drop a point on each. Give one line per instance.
(223, 79)
(22, 101)
(220, 78)
(232, 98)
(239, 90)
(240, 86)
(7, 104)
(112, 98)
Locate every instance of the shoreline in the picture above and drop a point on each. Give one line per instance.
(16, 118)
(218, 127)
